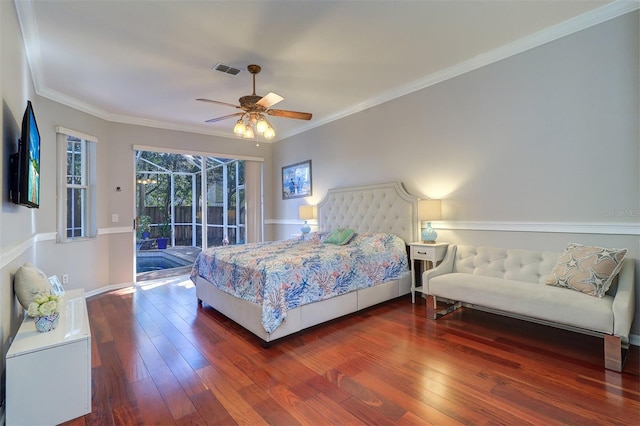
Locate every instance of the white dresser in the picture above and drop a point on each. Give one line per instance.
(49, 374)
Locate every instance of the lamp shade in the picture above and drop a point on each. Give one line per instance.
(306, 212)
(429, 210)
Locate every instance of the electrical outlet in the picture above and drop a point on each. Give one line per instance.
(115, 217)
(65, 279)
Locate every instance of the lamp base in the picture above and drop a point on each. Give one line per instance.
(429, 235)
(305, 228)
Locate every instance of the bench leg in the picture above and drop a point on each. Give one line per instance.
(432, 307)
(615, 353)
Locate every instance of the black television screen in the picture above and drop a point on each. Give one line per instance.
(25, 164)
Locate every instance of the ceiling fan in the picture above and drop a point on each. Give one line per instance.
(254, 107)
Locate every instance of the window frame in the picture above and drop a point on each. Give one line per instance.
(87, 184)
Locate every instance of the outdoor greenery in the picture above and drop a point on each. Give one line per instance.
(164, 230)
(144, 225)
(154, 172)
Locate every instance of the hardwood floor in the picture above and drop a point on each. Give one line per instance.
(159, 359)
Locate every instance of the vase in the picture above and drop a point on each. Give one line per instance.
(47, 323)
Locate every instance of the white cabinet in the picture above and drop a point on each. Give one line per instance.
(432, 253)
(49, 374)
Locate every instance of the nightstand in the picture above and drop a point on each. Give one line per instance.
(433, 253)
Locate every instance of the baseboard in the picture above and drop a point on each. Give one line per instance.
(106, 289)
(634, 339)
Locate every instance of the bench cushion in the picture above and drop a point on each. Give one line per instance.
(534, 300)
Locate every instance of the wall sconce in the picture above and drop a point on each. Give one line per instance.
(429, 210)
(305, 213)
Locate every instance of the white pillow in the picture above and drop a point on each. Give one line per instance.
(29, 283)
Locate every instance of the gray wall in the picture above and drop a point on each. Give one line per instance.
(537, 144)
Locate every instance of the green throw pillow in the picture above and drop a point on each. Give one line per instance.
(340, 236)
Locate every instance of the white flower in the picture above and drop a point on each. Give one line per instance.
(33, 309)
(47, 308)
(43, 306)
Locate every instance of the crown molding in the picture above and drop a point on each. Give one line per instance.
(573, 25)
(596, 16)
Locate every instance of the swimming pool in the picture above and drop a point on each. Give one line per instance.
(148, 262)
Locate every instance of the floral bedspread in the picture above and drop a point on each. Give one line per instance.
(281, 275)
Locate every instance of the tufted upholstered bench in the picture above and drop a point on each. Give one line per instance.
(512, 282)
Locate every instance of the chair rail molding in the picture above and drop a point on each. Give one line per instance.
(552, 227)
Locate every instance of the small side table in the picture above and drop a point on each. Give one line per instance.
(433, 253)
(49, 374)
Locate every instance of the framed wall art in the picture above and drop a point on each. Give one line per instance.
(296, 180)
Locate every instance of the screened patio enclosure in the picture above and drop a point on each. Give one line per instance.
(190, 200)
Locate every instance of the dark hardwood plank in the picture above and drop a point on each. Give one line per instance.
(159, 358)
(211, 410)
(150, 403)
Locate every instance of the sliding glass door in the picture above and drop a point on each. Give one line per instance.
(188, 201)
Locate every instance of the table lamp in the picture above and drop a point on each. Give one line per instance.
(305, 213)
(429, 210)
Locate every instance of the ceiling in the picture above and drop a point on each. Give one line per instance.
(145, 62)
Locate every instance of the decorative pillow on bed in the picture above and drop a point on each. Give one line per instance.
(587, 269)
(29, 283)
(340, 236)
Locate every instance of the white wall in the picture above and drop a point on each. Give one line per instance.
(547, 137)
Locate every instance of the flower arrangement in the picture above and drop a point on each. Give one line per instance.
(43, 306)
(44, 309)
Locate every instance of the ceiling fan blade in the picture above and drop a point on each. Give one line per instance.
(270, 99)
(214, 120)
(218, 102)
(289, 114)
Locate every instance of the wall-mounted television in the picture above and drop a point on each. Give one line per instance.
(25, 164)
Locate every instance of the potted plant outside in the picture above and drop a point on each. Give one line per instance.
(164, 231)
(144, 227)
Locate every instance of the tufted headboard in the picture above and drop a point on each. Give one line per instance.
(384, 207)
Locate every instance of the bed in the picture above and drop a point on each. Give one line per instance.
(239, 281)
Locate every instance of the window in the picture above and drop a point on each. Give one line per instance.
(76, 185)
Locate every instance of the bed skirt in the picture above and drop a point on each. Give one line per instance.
(249, 314)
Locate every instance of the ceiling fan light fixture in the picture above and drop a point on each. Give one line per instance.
(269, 133)
(261, 124)
(239, 128)
(248, 132)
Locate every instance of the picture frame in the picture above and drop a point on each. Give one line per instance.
(57, 288)
(296, 180)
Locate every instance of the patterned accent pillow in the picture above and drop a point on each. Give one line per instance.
(340, 236)
(587, 269)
